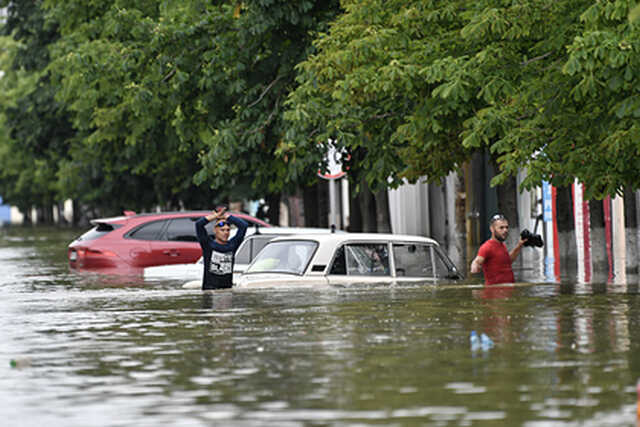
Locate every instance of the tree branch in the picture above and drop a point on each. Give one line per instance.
(168, 76)
(537, 58)
(264, 92)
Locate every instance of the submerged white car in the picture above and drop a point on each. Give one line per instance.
(254, 241)
(347, 259)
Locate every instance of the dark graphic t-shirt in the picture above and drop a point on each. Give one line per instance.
(219, 259)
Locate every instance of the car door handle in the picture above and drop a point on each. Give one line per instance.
(171, 252)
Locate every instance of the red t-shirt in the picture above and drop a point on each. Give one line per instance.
(497, 263)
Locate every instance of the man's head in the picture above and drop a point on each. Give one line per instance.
(221, 229)
(499, 226)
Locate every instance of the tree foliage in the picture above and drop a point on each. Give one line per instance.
(36, 128)
(369, 90)
(124, 71)
(182, 103)
(259, 50)
(417, 86)
(176, 89)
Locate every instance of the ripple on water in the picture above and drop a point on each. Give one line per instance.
(125, 350)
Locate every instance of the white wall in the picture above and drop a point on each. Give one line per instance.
(409, 209)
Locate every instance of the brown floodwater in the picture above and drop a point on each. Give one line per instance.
(91, 350)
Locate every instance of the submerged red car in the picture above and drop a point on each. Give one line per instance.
(129, 243)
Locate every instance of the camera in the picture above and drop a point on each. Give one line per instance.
(532, 239)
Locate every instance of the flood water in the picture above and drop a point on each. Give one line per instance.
(108, 351)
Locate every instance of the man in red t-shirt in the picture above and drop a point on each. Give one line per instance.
(493, 258)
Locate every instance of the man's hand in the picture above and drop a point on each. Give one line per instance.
(476, 264)
(219, 214)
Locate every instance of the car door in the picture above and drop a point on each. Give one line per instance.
(139, 242)
(360, 263)
(414, 262)
(177, 244)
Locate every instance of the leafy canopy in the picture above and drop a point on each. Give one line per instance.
(417, 86)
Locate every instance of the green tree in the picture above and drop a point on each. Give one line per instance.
(380, 88)
(412, 88)
(259, 50)
(128, 72)
(36, 126)
(573, 114)
(176, 89)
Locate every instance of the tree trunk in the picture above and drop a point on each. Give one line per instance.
(316, 205)
(311, 206)
(508, 201)
(367, 208)
(296, 209)
(383, 218)
(273, 202)
(355, 212)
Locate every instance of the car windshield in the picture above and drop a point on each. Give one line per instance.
(283, 257)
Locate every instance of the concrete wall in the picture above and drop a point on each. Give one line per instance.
(409, 209)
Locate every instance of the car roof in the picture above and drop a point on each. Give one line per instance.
(361, 237)
(328, 242)
(172, 214)
(294, 230)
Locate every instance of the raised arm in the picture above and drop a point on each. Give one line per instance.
(516, 251)
(201, 232)
(242, 229)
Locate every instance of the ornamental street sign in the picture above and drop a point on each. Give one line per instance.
(333, 159)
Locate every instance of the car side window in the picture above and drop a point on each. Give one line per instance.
(250, 248)
(243, 255)
(339, 265)
(412, 260)
(181, 230)
(149, 231)
(367, 259)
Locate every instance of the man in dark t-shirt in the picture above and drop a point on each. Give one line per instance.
(493, 259)
(218, 251)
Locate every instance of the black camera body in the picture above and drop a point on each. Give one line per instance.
(532, 239)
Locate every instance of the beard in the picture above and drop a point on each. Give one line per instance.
(500, 238)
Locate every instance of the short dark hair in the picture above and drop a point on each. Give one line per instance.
(497, 217)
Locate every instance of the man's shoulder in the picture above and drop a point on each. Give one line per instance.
(488, 243)
(488, 246)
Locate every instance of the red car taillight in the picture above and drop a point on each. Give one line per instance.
(86, 257)
(94, 252)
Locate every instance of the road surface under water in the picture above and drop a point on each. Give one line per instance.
(91, 350)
